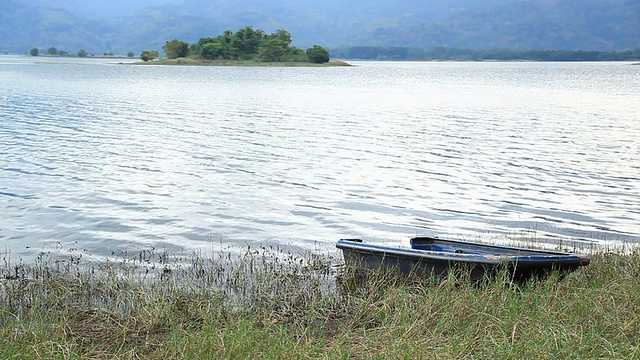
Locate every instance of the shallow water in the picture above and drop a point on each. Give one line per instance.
(110, 157)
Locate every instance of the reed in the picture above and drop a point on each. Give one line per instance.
(270, 303)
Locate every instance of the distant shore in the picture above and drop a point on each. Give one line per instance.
(83, 57)
(192, 62)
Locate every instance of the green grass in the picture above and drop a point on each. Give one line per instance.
(270, 304)
(194, 62)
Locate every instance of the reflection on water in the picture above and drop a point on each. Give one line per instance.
(113, 157)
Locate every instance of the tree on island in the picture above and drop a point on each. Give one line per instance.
(211, 51)
(284, 36)
(271, 50)
(176, 48)
(130, 54)
(148, 55)
(246, 44)
(317, 54)
(34, 52)
(247, 40)
(82, 53)
(52, 51)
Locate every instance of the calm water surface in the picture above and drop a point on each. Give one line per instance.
(111, 157)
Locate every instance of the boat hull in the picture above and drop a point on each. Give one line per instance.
(437, 258)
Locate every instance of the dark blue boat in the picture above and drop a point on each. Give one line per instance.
(435, 257)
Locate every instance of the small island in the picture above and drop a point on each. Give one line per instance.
(245, 47)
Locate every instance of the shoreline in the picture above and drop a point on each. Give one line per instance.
(192, 62)
(115, 57)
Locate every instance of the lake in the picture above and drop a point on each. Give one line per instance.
(106, 157)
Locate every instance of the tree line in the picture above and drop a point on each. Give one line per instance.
(449, 53)
(245, 44)
(52, 51)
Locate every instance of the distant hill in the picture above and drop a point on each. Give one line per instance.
(121, 25)
(27, 24)
(523, 25)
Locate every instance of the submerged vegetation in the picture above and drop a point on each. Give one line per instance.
(269, 303)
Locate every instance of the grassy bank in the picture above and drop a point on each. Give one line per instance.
(194, 62)
(267, 303)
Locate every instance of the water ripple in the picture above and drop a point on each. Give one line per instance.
(121, 157)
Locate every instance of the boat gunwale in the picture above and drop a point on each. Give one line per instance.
(541, 257)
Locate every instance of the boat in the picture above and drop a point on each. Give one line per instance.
(436, 258)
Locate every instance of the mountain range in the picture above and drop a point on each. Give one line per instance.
(121, 25)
